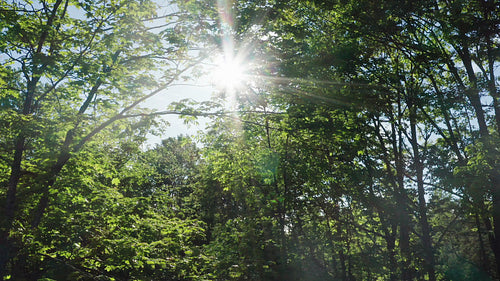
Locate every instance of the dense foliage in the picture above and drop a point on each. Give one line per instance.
(365, 146)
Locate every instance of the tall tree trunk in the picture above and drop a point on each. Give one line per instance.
(389, 229)
(495, 177)
(32, 78)
(286, 184)
(6, 245)
(495, 181)
(401, 216)
(401, 197)
(424, 223)
(485, 261)
(391, 248)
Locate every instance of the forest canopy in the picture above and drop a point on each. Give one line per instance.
(347, 140)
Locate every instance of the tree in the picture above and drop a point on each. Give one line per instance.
(407, 68)
(70, 70)
(364, 145)
(111, 218)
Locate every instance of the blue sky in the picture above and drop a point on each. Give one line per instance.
(197, 90)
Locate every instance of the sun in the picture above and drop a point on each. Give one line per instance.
(230, 73)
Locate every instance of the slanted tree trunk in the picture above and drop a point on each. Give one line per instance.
(475, 101)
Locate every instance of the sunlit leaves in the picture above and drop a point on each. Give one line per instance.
(123, 214)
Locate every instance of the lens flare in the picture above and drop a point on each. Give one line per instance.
(229, 73)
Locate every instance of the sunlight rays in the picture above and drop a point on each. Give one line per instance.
(236, 70)
(231, 66)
